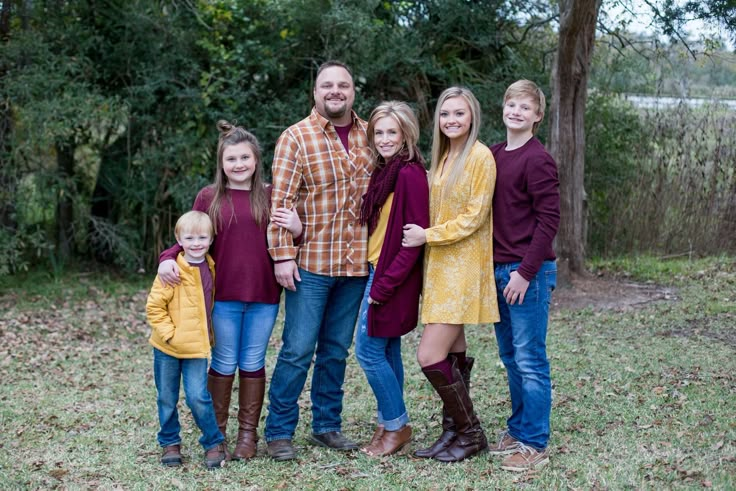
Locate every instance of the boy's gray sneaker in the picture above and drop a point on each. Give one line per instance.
(505, 444)
(526, 458)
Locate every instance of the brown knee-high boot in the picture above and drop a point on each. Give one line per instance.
(469, 439)
(221, 388)
(250, 399)
(448, 425)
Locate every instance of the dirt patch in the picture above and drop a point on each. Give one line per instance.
(604, 293)
(711, 327)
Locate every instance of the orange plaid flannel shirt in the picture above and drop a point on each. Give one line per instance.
(314, 174)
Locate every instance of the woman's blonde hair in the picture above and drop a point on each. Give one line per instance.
(404, 117)
(233, 135)
(441, 143)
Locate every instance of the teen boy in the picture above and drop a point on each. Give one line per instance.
(526, 214)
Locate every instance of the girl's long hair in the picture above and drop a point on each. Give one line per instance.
(441, 143)
(233, 135)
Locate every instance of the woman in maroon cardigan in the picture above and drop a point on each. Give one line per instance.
(398, 194)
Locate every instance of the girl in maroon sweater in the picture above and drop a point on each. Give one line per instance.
(246, 292)
(398, 194)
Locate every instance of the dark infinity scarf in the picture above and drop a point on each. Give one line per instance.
(383, 183)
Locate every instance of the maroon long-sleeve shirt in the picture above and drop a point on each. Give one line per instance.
(244, 269)
(526, 206)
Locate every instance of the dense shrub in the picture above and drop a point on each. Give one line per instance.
(674, 192)
(614, 135)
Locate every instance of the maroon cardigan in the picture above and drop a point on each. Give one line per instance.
(397, 281)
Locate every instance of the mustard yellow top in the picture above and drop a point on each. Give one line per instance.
(375, 241)
(459, 284)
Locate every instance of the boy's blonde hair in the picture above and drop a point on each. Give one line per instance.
(404, 117)
(527, 88)
(193, 222)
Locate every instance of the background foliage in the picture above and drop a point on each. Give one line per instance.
(108, 108)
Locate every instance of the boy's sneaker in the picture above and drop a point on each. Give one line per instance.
(526, 458)
(505, 444)
(171, 456)
(215, 457)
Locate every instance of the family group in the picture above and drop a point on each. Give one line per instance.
(355, 230)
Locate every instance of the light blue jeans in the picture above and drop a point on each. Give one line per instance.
(522, 345)
(168, 373)
(380, 359)
(319, 324)
(242, 331)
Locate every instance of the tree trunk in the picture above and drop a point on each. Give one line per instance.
(65, 200)
(5, 21)
(8, 174)
(567, 131)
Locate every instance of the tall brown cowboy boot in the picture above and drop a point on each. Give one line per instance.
(469, 362)
(469, 439)
(250, 400)
(221, 388)
(448, 425)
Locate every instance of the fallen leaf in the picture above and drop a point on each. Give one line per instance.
(58, 473)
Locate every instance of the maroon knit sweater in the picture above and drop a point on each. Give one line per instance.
(244, 269)
(526, 206)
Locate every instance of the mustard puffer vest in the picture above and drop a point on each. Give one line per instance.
(178, 315)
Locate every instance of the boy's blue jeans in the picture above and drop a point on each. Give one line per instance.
(320, 323)
(168, 372)
(380, 359)
(242, 331)
(522, 345)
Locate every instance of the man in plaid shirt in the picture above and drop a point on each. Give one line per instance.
(321, 168)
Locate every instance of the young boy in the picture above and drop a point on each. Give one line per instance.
(181, 336)
(526, 214)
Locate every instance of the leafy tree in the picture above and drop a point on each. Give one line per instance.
(57, 109)
(578, 20)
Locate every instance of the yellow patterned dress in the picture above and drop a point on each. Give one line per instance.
(459, 284)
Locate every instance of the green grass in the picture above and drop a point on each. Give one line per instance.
(41, 288)
(643, 398)
(667, 272)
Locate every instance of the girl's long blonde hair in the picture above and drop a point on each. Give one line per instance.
(441, 143)
(233, 135)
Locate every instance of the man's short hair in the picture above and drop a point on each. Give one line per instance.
(331, 63)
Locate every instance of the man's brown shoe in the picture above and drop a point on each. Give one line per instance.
(505, 444)
(526, 458)
(280, 450)
(171, 456)
(334, 440)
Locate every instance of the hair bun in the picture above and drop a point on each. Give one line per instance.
(224, 126)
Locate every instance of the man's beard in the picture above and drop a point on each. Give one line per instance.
(337, 113)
